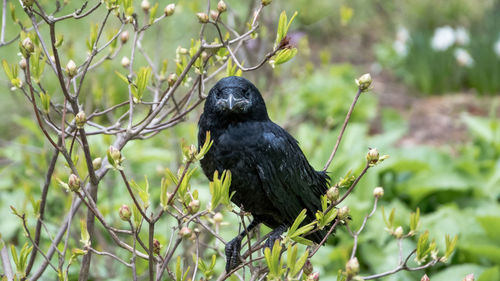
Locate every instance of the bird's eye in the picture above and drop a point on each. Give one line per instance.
(247, 94)
(218, 94)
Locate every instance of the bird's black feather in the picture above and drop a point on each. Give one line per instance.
(271, 177)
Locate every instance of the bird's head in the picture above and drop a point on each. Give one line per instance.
(236, 98)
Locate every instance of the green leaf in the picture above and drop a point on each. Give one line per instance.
(283, 56)
(7, 70)
(137, 216)
(152, 13)
(14, 257)
(300, 218)
(283, 26)
(143, 192)
(414, 221)
(143, 77)
(45, 99)
(450, 246)
(85, 236)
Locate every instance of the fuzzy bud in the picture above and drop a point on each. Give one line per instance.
(266, 2)
(218, 217)
(172, 78)
(214, 14)
(169, 10)
(194, 206)
(145, 6)
(115, 155)
(221, 6)
(202, 17)
(125, 62)
(74, 183)
(124, 37)
(71, 68)
(97, 163)
(364, 82)
(313, 276)
(372, 156)
(22, 63)
(469, 277)
(308, 267)
(185, 232)
(425, 278)
(28, 45)
(333, 193)
(352, 267)
(378, 192)
(156, 246)
(80, 119)
(125, 213)
(343, 213)
(398, 232)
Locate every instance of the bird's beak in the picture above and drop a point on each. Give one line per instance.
(230, 102)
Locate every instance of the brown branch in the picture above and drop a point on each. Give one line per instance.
(43, 203)
(339, 138)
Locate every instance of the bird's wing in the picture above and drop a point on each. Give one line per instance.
(287, 177)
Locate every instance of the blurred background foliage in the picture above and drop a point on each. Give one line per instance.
(456, 184)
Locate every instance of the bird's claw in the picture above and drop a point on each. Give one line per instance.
(233, 254)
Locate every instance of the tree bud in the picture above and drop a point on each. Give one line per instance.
(364, 82)
(115, 154)
(97, 163)
(372, 156)
(169, 10)
(202, 17)
(28, 45)
(214, 14)
(378, 192)
(194, 206)
(145, 5)
(352, 267)
(185, 232)
(172, 78)
(343, 213)
(22, 63)
(74, 183)
(80, 119)
(156, 246)
(71, 68)
(124, 37)
(125, 213)
(398, 232)
(313, 276)
(425, 278)
(266, 2)
(308, 267)
(333, 193)
(221, 6)
(218, 217)
(125, 62)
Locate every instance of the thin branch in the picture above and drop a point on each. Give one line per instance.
(339, 138)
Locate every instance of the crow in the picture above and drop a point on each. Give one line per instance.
(271, 177)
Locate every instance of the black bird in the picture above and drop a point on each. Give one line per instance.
(271, 177)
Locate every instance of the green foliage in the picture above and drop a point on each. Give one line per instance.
(219, 189)
(274, 263)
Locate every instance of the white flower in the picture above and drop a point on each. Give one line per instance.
(462, 36)
(496, 47)
(400, 48)
(443, 38)
(463, 57)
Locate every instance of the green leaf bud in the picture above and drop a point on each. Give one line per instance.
(97, 163)
(333, 193)
(71, 68)
(169, 10)
(125, 213)
(352, 267)
(80, 119)
(221, 6)
(364, 82)
(378, 191)
(74, 183)
(202, 17)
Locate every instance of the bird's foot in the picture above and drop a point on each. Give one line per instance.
(274, 236)
(232, 250)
